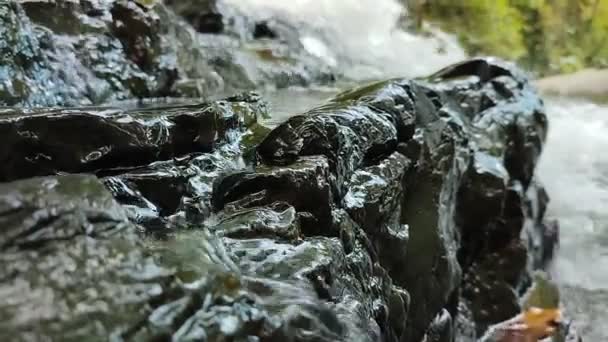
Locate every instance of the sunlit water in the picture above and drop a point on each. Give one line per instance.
(361, 37)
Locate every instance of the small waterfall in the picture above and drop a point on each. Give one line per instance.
(362, 37)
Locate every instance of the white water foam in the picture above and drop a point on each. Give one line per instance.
(574, 168)
(362, 37)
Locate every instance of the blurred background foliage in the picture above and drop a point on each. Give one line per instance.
(545, 36)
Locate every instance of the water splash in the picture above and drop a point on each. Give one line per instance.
(362, 37)
(574, 168)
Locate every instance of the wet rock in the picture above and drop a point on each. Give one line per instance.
(441, 328)
(394, 97)
(370, 290)
(347, 132)
(316, 260)
(482, 192)
(490, 285)
(91, 52)
(279, 221)
(464, 322)
(161, 183)
(431, 273)
(179, 189)
(44, 142)
(62, 234)
(303, 184)
(375, 191)
(510, 128)
(374, 200)
(542, 236)
(43, 210)
(139, 210)
(400, 210)
(69, 260)
(203, 15)
(359, 291)
(26, 76)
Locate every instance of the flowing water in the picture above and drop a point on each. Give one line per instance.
(574, 168)
(366, 44)
(361, 37)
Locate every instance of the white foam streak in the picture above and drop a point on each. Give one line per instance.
(361, 36)
(574, 168)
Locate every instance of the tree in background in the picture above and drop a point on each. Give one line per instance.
(546, 36)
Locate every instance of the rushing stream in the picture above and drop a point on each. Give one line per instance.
(361, 37)
(574, 168)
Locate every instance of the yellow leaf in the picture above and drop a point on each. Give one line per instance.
(541, 322)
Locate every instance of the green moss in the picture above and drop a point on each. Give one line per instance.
(252, 138)
(545, 36)
(543, 294)
(147, 3)
(359, 92)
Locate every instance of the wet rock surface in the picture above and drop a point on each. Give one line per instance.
(74, 267)
(91, 52)
(39, 143)
(405, 210)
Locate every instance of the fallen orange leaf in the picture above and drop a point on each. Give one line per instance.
(541, 322)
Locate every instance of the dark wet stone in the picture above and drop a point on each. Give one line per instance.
(490, 285)
(399, 303)
(42, 210)
(375, 191)
(505, 127)
(74, 268)
(161, 183)
(203, 15)
(90, 52)
(431, 272)
(279, 221)
(370, 290)
(264, 30)
(87, 52)
(179, 189)
(464, 323)
(317, 260)
(373, 201)
(441, 329)
(398, 210)
(394, 97)
(139, 210)
(360, 292)
(44, 142)
(303, 184)
(69, 260)
(542, 236)
(482, 192)
(347, 132)
(486, 69)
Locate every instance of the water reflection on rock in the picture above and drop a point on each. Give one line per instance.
(396, 211)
